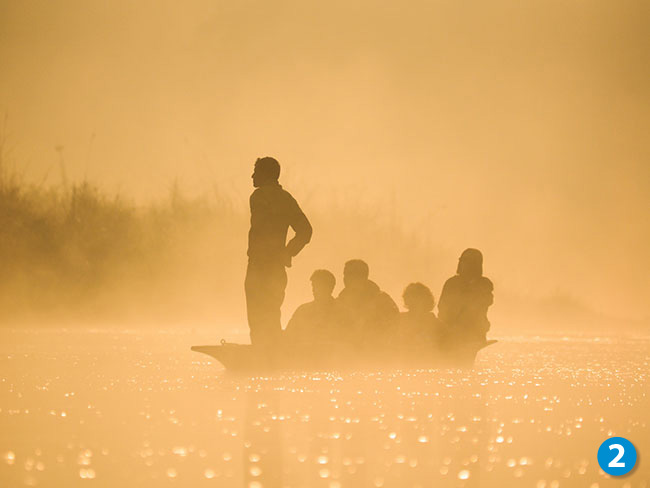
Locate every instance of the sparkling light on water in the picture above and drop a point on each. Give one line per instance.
(525, 416)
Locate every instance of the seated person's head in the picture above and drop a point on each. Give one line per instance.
(267, 170)
(418, 298)
(355, 273)
(322, 284)
(470, 264)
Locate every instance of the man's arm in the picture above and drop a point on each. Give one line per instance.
(301, 226)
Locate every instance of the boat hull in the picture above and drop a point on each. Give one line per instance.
(246, 357)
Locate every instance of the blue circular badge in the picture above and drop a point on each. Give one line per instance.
(617, 456)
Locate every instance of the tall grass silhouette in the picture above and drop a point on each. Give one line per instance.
(75, 252)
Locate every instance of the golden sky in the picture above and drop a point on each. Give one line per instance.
(517, 127)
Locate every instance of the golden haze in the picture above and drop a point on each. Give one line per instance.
(517, 128)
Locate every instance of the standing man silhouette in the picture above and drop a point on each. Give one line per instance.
(273, 211)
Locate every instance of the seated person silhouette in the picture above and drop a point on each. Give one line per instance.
(368, 314)
(312, 322)
(465, 300)
(419, 329)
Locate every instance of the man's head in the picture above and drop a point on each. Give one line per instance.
(322, 284)
(355, 273)
(470, 264)
(267, 170)
(418, 298)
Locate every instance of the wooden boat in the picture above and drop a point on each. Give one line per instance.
(246, 357)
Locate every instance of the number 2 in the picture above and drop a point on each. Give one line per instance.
(614, 462)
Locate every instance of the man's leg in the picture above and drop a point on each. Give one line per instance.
(254, 308)
(265, 286)
(277, 288)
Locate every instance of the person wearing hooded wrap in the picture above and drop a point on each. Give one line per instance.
(465, 299)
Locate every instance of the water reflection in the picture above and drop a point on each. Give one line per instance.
(106, 410)
(262, 457)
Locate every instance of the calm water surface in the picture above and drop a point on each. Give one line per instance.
(126, 408)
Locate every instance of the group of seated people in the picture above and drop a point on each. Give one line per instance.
(365, 317)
